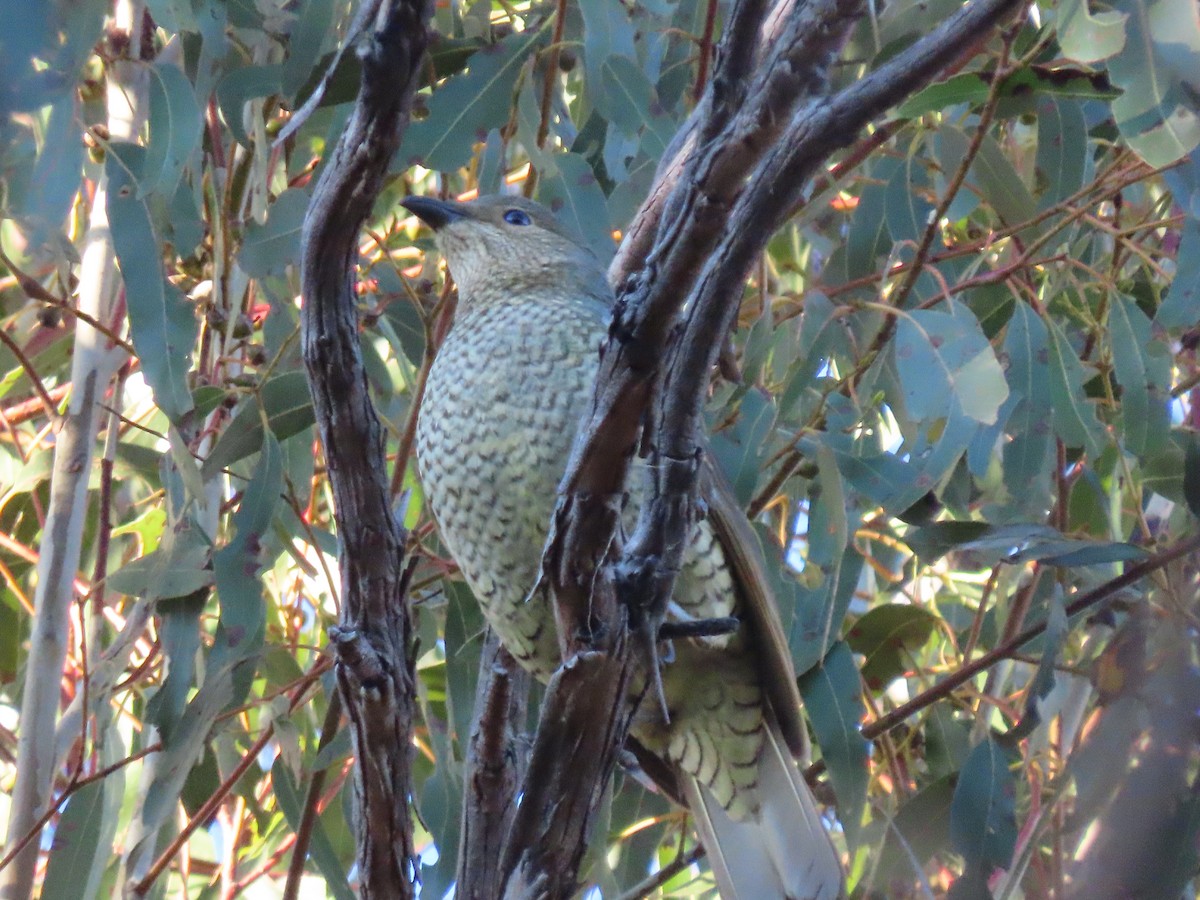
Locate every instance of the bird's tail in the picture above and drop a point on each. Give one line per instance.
(783, 853)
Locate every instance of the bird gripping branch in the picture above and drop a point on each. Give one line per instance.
(502, 404)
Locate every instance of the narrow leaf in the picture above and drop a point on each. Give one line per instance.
(161, 321)
(983, 823)
(944, 359)
(468, 106)
(833, 699)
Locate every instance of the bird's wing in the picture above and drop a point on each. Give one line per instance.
(744, 554)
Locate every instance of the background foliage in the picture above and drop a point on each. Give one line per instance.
(968, 390)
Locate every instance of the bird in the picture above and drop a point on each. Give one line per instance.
(502, 402)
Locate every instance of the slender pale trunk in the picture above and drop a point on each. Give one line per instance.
(93, 366)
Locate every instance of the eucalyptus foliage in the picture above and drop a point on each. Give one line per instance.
(963, 421)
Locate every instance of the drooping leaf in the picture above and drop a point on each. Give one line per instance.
(983, 825)
(323, 853)
(947, 740)
(739, 448)
(1191, 475)
(161, 321)
(1074, 415)
(1063, 160)
(1087, 37)
(175, 128)
(935, 540)
(1142, 365)
(287, 407)
(833, 700)
(243, 616)
(991, 176)
(75, 846)
(181, 566)
(868, 237)
(469, 105)
(1043, 678)
(920, 829)
(944, 359)
(905, 206)
(310, 30)
(1027, 351)
(607, 32)
(54, 180)
(572, 191)
(1156, 69)
(1178, 310)
(179, 635)
(273, 246)
(241, 86)
(636, 107)
(889, 636)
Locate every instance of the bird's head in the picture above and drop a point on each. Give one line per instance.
(498, 246)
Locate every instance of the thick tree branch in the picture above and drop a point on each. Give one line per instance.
(584, 718)
(374, 670)
(748, 168)
(495, 766)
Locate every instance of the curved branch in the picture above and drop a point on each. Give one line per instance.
(374, 634)
(495, 766)
(714, 223)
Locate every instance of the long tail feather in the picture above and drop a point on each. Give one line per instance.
(784, 853)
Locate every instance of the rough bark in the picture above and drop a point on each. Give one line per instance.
(495, 765)
(373, 638)
(744, 167)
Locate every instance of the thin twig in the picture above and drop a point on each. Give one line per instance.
(329, 730)
(651, 884)
(951, 683)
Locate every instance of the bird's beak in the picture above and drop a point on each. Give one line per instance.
(434, 213)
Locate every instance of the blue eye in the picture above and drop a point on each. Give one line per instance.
(517, 217)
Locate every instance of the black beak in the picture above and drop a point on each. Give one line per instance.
(434, 213)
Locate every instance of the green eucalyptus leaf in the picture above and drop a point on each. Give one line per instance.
(905, 205)
(463, 110)
(1026, 349)
(75, 848)
(943, 359)
(181, 566)
(1191, 474)
(285, 403)
(1074, 417)
(1142, 365)
(888, 636)
(1156, 69)
(270, 248)
(310, 29)
(1063, 161)
(55, 177)
(332, 869)
(739, 448)
(607, 32)
(572, 191)
(179, 636)
(636, 107)
(176, 125)
(983, 824)
(833, 700)
(241, 86)
(1087, 37)
(1179, 310)
(161, 321)
(920, 829)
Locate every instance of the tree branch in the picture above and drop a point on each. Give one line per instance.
(714, 223)
(495, 766)
(374, 670)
